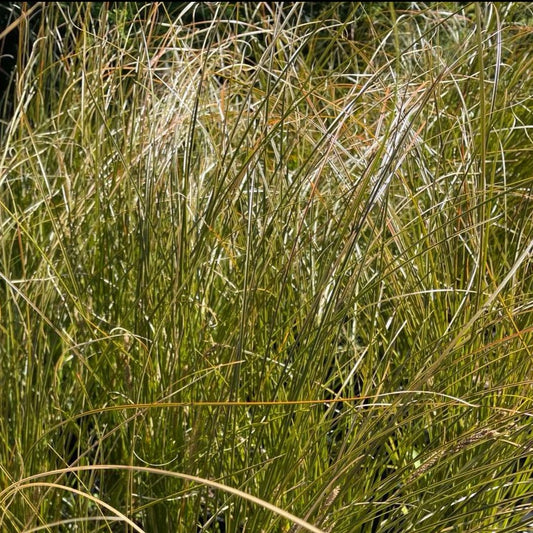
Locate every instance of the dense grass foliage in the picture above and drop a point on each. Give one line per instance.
(267, 268)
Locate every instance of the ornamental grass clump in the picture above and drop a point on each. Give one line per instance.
(266, 267)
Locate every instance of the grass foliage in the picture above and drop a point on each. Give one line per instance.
(267, 266)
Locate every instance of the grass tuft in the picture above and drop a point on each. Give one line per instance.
(266, 266)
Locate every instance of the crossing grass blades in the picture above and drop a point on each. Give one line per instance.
(266, 267)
